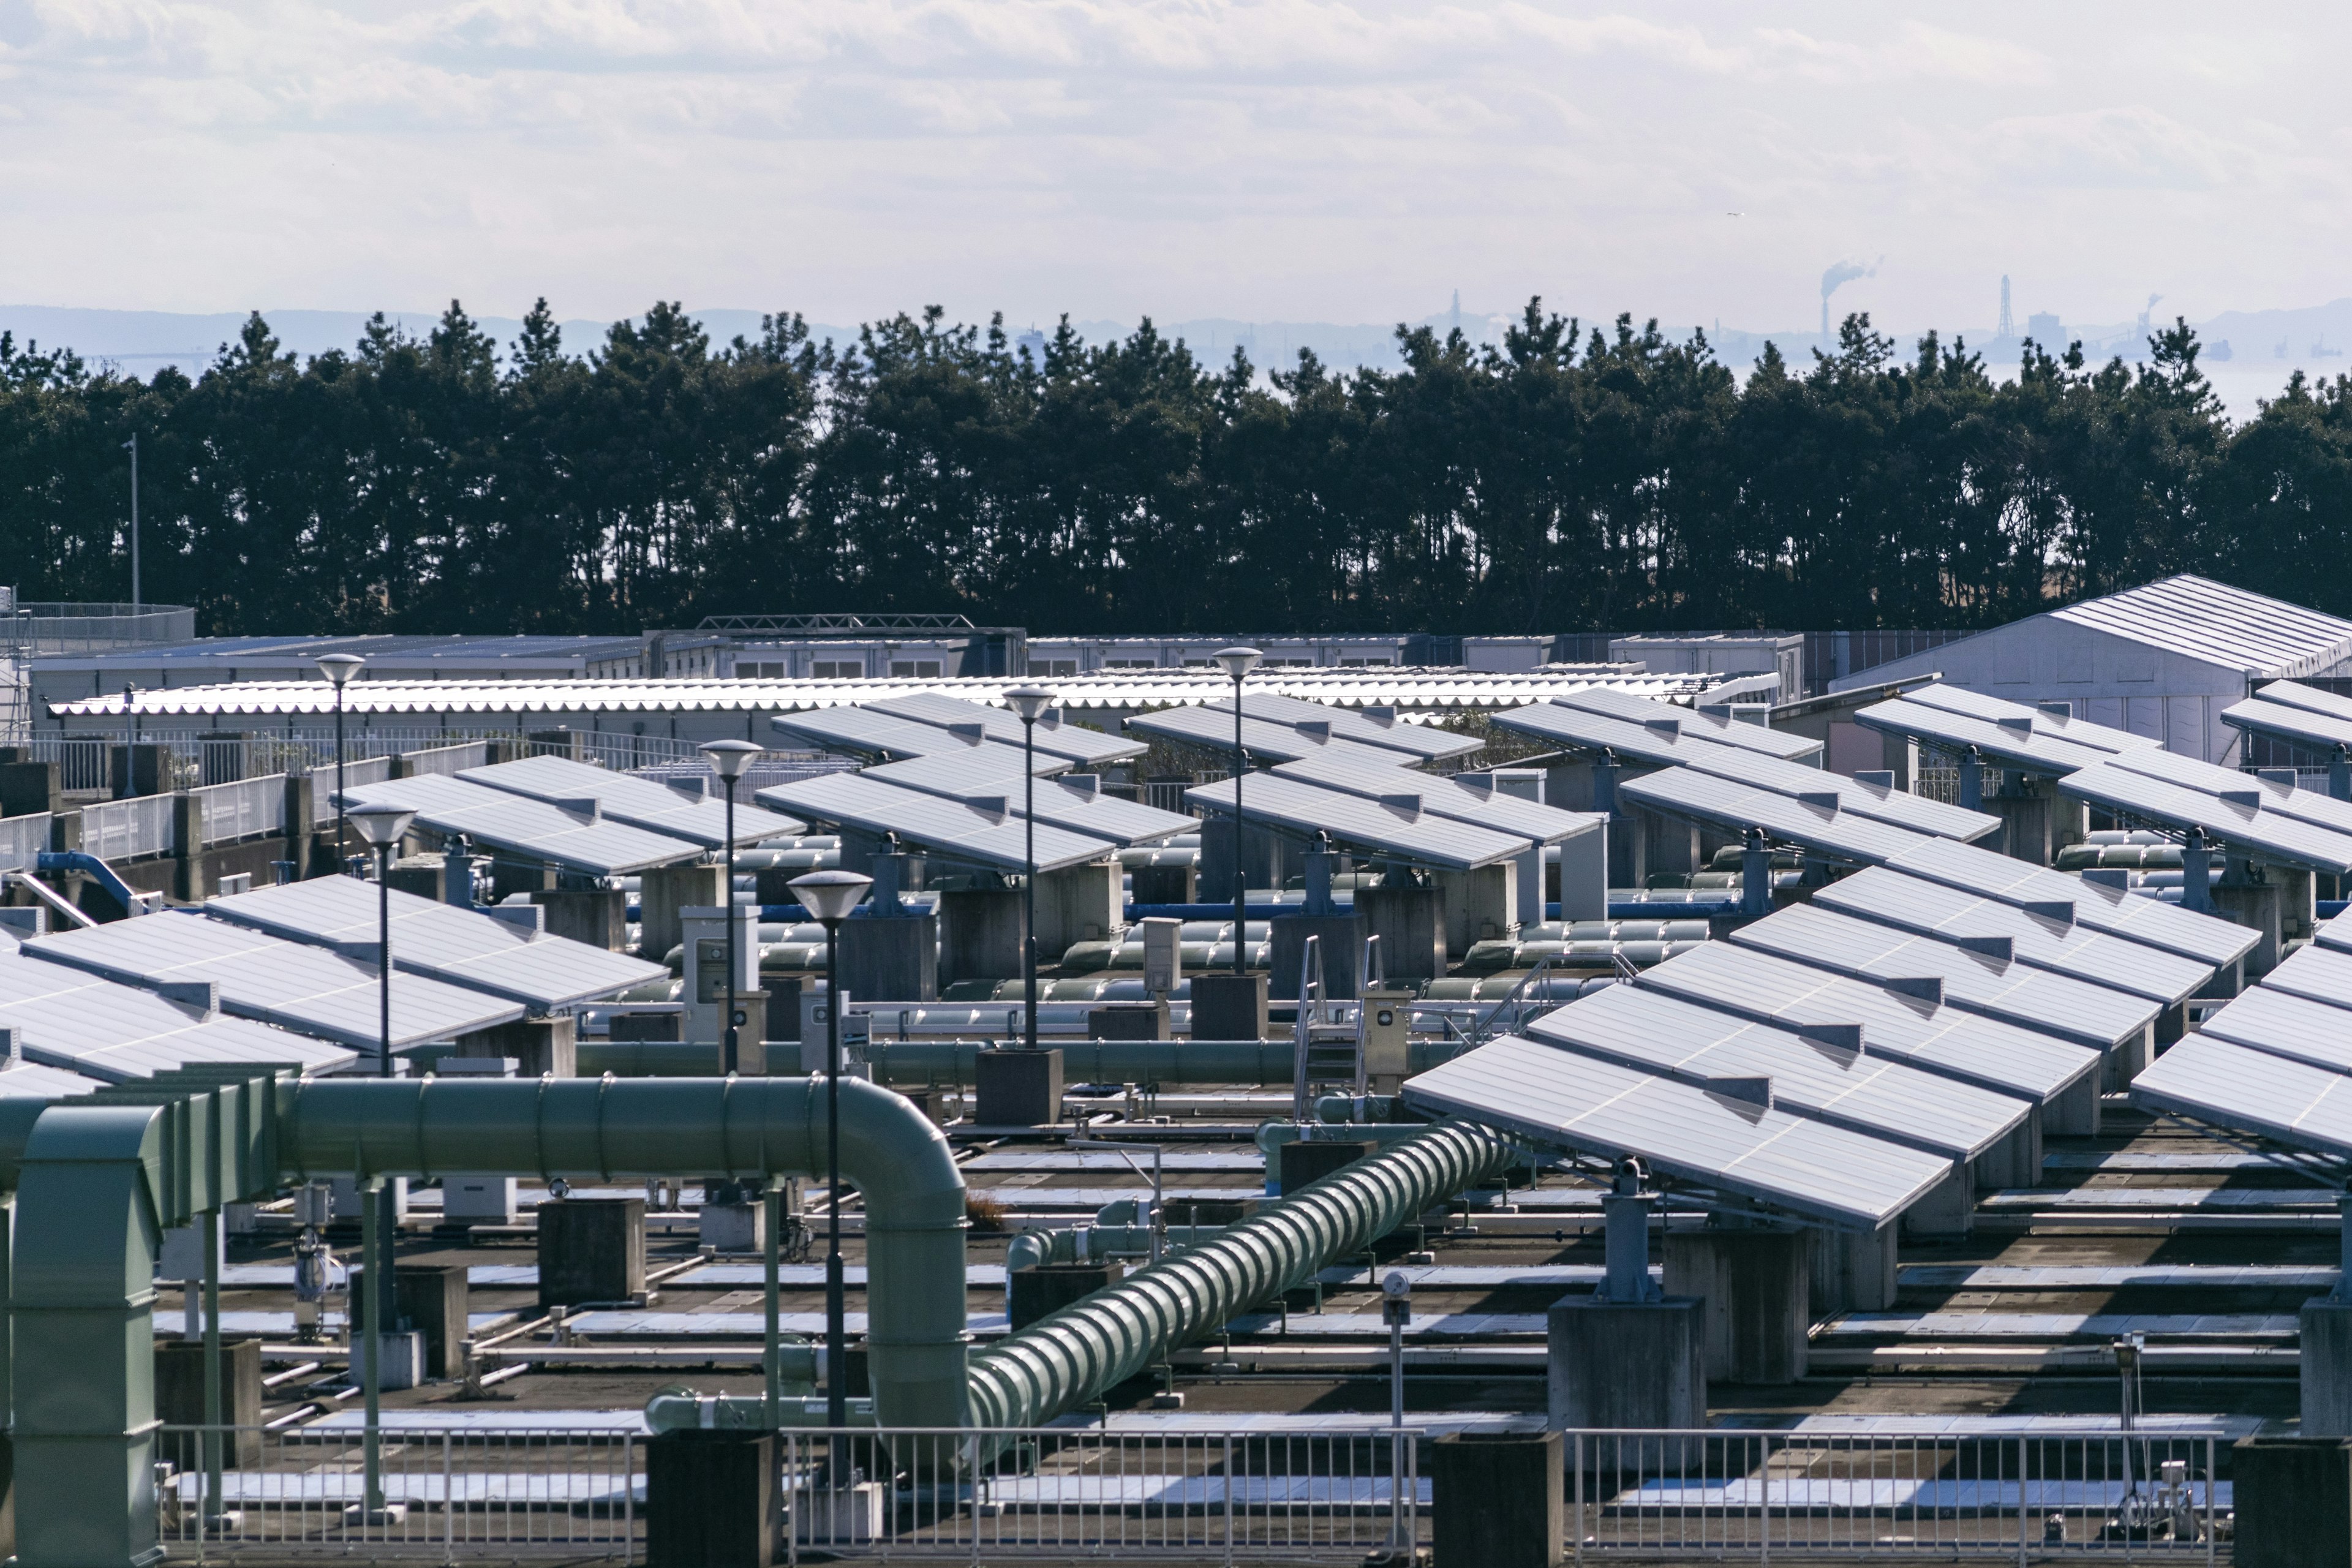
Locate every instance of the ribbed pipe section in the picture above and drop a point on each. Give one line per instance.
(1059, 1363)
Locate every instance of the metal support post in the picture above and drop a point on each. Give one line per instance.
(773, 1199)
(212, 1436)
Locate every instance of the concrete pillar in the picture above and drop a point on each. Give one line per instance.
(2260, 906)
(2126, 1060)
(1755, 1286)
(1529, 881)
(1229, 1006)
(734, 1225)
(591, 1249)
(2326, 1363)
(1341, 945)
(1497, 1500)
(1263, 860)
(1584, 876)
(1670, 843)
(597, 916)
(980, 934)
(2025, 826)
(1041, 1289)
(1626, 1364)
(191, 871)
(1949, 1209)
(2070, 822)
(180, 1400)
(1479, 904)
(1303, 1162)
(1079, 903)
(710, 1499)
(1852, 1271)
(1017, 1088)
(2292, 1497)
(28, 789)
(434, 1298)
(138, 769)
(892, 958)
(540, 1047)
(2073, 1112)
(1411, 924)
(663, 892)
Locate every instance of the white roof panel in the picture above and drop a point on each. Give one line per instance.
(2313, 807)
(2238, 820)
(874, 734)
(1422, 740)
(1213, 732)
(518, 825)
(2218, 1080)
(1699, 722)
(2045, 936)
(2061, 724)
(1573, 1102)
(963, 771)
(310, 990)
(2205, 938)
(697, 817)
(2204, 619)
(2303, 725)
(2027, 742)
(2323, 974)
(955, 829)
(1670, 741)
(112, 1032)
(1456, 797)
(1647, 1030)
(1820, 828)
(1397, 825)
(1899, 1025)
(1054, 733)
(1984, 982)
(461, 946)
(2287, 1024)
(1075, 801)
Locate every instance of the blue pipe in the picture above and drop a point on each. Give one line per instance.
(90, 866)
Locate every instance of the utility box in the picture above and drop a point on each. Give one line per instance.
(892, 958)
(180, 1400)
(1043, 1288)
(2293, 1502)
(1018, 1088)
(1497, 1500)
(434, 1300)
(1128, 1021)
(1303, 1163)
(705, 993)
(710, 1499)
(1388, 1031)
(1163, 955)
(1228, 1006)
(591, 1249)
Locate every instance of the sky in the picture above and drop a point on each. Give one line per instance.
(1305, 160)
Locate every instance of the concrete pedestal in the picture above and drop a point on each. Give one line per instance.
(1340, 941)
(1263, 860)
(892, 958)
(1947, 1210)
(2025, 824)
(1851, 1271)
(180, 1400)
(663, 892)
(1497, 1499)
(434, 1300)
(1479, 904)
(733, 1227)
(2259, 907)
(1173, 883)
(1043, 1288)
(1301, 1162)
(1583, 876)
(478, 1200)
(2073, 1112)
(2326, 1357)
(2293, 1502)
(710, 1499)
(1076, 904)
(980, 934)
(1627, 1363)
(539, 1047)
(1017, 1088)
(591, 1249)
(2124, 1061)
(1755, 1286)
(1229, 1006)
(597, 916)
(1411, 924)
(1128, 1021)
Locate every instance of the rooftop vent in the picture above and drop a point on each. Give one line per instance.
(1927, 988)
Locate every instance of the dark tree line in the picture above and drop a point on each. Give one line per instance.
(1565, 479)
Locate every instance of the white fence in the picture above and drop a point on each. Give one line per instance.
(128, 829)
(355, 772)
(22, 840)
(246, 809)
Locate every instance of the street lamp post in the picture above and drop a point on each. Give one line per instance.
(132, 447)
(381, 826)
(729, 759)
(1030, 703)
(338, 667)
(1237, 662)
(830, 896)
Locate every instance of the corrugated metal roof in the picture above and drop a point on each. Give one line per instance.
(1823, 829)
(2026, 742)
(309, 990)
(2063, 725)
(693, 817)
(476, 950)
(1261, 739)
(1402, 831)
(2205, 938)
(1950, 1041)
(954, 829)
(2201, 619)
(1090, 748)
(1587, 1107)
(2237, 819)
(517, 824)
(1452, 797)
(1666, 742)
(1982, 982)
(2046, 937)
(1649, 1030)
(1349, 724)
(1613, 702)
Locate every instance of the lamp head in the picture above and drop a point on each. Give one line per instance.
(830, 896)
(1029, 701)
(1237, 662)
(339, 668)
(730, 758)
(382, 825)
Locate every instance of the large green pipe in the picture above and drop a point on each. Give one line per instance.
(1058, 1365)
(740, 1129)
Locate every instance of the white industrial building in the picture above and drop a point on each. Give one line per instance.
(2162, 660)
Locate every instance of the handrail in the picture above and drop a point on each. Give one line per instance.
(1478, 1033)
(1310, 959)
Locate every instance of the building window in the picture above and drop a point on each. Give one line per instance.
(1131, 664)
(1053, 667)
(1381, 661)
(920, 668)
(838, 670)
(747, 670)
(1199, 664)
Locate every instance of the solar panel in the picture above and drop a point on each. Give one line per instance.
(2311, 698)
(2063, 725)
(2028, 741)
(1819, 827)
(2102, 907)
(309, 990)
(2313, 807)
(2236, 820)
(1985, 982)
(99, 1029)
(2220, 1082)
(428, 937)
(535, 829)
(1073, 801)
(1260, 738)
(1396, 825)
(988, 835)
(1698, 721)
(1450, 798)
(31, 1080)
(2286, 1024)
(692, 815)
(1900, 1026)
(1669, 742)
(964, 771)
(1054, 731)
(1654, 1032)
(1425, 741)
(2045, 936)
(873, 733)
(2304, 726)
(1733, 1145)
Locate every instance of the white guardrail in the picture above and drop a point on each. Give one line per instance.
(128, 829)
(22, 840)
(246, 809)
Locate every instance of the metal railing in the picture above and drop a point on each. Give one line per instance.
(246, 809)
(357, 771)
(1748, 1495)
(128, 829)
(454, 759)
(22, 840)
